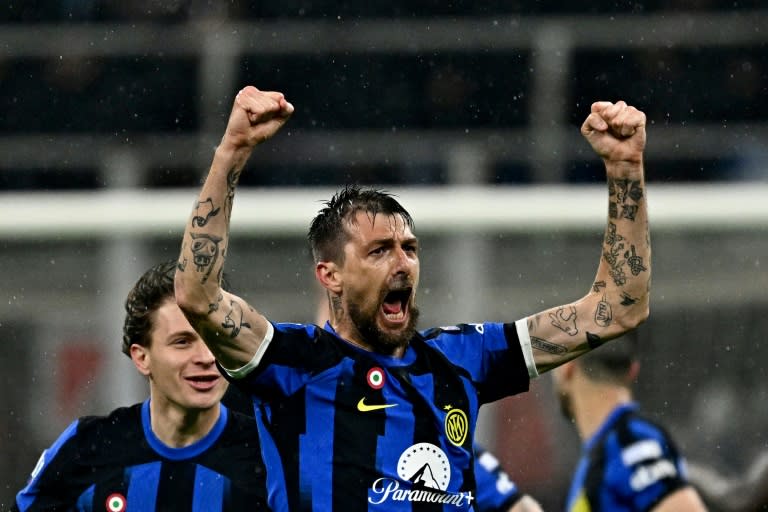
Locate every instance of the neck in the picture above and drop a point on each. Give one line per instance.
(178, 427)
(592, 406)
(349, 332)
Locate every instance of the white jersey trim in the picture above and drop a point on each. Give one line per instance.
(525, 343)
(254, 362)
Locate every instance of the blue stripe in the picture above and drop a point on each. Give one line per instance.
(85, 501)
(208, 492)
(278, 497)
(316, 446)
(142, 486)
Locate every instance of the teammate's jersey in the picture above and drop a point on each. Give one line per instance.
(629, 464)
(356, 430)
(116, 463)
(495, 491)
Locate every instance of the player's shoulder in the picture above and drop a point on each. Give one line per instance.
(456, 330)
(115, 418)
(637, 426)
(123, 423)
(307, 345)
(240, 422)
(241, 433)
(634, 441)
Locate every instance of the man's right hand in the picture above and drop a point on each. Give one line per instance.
(256, 116)
(616, 132)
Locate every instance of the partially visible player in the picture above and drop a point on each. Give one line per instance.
(496, 492)
(628, 462)
(180, 450)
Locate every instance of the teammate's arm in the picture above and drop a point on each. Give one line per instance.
(526, 504)
(682, 500)
(57, 479)
(231, 328)
(496, 492)
(736, 493)
(618, 299)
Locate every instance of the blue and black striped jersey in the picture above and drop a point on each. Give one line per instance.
(495, 491)
(115, 463)
(629, 464)
(356, 430)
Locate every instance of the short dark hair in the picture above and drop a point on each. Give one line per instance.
(327, 232)
(611, 362)
(152, 289)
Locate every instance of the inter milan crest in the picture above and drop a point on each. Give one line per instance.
(456, 426)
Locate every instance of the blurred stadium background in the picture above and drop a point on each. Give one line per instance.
(469, 111)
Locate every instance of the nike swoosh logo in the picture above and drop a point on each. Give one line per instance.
(363, 407)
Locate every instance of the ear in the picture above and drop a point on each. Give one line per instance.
(329, 275)
(634, 371)
(141, 359)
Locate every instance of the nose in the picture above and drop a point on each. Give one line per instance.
(203, 354)
(405, 262)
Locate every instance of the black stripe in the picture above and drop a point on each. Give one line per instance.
(176, 487)
(286, 427)
(449, 390)
(116, 483)
(424, 427)
(593, 482)
(355, 438)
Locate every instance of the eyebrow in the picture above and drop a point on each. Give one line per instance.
(391, 241)
(185, 333)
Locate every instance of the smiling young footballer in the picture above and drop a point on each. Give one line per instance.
(180, 450)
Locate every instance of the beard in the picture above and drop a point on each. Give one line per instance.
(383, 342)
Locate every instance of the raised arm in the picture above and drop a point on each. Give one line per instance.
(230, 327)
(618, 299)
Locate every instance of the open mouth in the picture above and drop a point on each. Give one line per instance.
(395, 304)
(203, 382)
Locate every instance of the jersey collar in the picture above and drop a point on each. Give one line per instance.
(186, 452)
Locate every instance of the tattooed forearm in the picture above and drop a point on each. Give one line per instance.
(205, 253)
(627, 300)
(593, 340)
(181, 265)
(614, 248)
(214, 306)
(234, 320)
(204, 210)
(634, 261)
(603, 313)
(546, 346)
(533, 323)
(565, 320)
(233, 176)
(624, 196)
